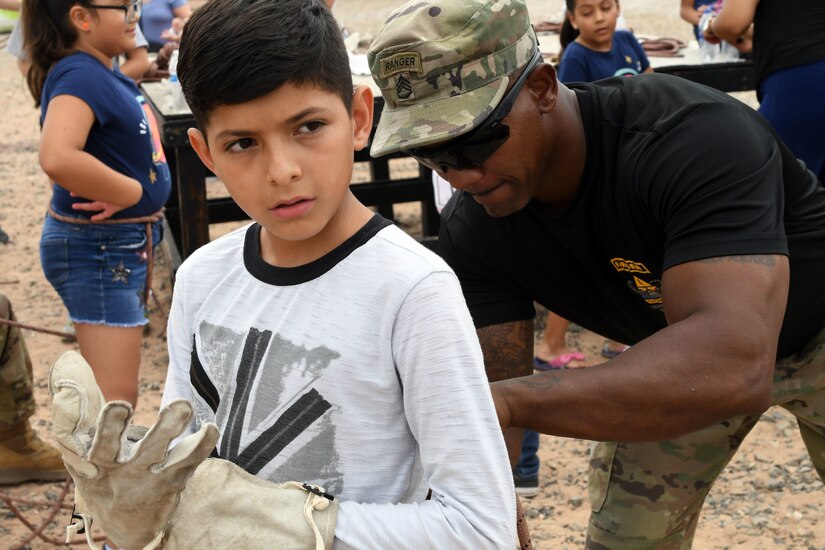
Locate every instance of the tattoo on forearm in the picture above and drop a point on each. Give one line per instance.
(508, 349)
(761, 259)
(543, 382)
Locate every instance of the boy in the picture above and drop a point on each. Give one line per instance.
(327, 345)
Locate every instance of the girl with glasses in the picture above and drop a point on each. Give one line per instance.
(101, 150)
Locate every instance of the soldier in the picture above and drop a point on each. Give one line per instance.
(651, 210)
(23, 456)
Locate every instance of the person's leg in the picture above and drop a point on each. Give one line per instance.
(114, 355)
(799, 386)
(23, 456)
(791, 100)
(552, 351)
(100, 274)
(650, 495)
(526, 472)
(611, 349)
(553, 342)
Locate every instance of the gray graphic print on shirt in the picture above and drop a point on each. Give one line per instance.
(274, 422)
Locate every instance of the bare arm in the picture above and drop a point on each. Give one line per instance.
(714, 360)
(137, 62)
(689, 13)
(508, 353)
(10, 5)
(734, 21)
(65, 130)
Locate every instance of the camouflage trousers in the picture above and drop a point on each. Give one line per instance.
(650, 495)
(16, 400)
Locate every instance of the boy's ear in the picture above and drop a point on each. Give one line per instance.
(198, 142)
(362, 105)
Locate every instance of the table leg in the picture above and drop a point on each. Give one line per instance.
(191, 194)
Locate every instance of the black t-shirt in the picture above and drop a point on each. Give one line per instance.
(674, 172)
(787, 33)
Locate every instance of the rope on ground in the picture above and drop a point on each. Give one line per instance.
(662, 47)
(68, 336)
(548, 26)
(53, 508)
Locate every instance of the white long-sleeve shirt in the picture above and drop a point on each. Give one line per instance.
(360, 372)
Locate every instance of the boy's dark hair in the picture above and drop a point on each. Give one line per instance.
(234, 51)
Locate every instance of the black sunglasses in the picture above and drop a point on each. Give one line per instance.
(474, 147)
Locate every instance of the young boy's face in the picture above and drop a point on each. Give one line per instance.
(286, 159)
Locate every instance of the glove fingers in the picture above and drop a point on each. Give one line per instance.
(193, 449)
(76, 401)
(173, 419)
(110, 428)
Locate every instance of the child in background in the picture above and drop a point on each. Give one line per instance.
(593, 49)
(133, 64)
(162, 19)
(325, 343)
(100, 147)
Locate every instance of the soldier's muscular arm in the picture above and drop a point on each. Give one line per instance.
(713, 361)
(508, 353)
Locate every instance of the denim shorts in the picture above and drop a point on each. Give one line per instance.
(99, 270)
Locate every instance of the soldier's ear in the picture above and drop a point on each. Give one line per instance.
(544, 87)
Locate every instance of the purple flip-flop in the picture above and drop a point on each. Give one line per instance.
(559, 362)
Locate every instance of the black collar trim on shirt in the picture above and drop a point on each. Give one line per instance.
(286, 276)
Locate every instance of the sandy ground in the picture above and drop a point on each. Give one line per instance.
(768, 497)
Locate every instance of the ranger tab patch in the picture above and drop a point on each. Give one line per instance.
(402, 62)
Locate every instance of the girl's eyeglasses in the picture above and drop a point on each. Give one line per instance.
(473, 148)
(131, 11)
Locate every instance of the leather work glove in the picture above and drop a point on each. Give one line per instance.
(125, 477)
(145, 497)
(223, 506)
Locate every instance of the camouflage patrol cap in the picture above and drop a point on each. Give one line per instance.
(443, 65)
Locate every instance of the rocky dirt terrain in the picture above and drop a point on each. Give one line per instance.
(769, 496)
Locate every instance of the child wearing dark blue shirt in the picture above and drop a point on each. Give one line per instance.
(592, 47)
(625, 58)
(101, 150)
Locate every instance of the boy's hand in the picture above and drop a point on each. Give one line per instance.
(125, 477)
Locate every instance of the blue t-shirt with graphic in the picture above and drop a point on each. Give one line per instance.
(124, 135)
(625, 58)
